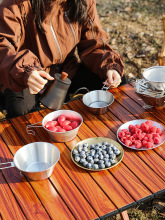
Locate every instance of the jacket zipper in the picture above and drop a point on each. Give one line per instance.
(91, 23)
(71, 28)
(56, 41)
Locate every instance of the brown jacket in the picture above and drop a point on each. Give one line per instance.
(23, 46)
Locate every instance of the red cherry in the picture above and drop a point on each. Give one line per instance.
(74, 124)
(61, 118)
(64, 123)
(68, 128)
(51, 124)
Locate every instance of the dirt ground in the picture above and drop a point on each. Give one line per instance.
(135, 30)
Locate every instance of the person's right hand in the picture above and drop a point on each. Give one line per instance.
(36, 82)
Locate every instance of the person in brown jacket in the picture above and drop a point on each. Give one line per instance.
(41, 37)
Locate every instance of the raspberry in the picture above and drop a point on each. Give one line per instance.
(138, 144)
(156, 140)
(153, 129)
(121, 134)
(123, 139)
(149, 123)
(124, 130)
(156, 135)
(137, 126)
(128, 142)
(144, 143)
(149, 145)
(159, 131)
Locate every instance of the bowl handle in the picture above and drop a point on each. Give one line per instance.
(12, 165)
(30, 131)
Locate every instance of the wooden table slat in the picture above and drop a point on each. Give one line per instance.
(7, 201)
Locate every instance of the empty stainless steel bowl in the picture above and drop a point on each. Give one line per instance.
(98, 101)
(156, 77)
(36, 160)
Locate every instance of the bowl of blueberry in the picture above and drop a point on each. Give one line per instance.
(97, 153)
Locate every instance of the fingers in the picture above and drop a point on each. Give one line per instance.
(113, 78)
(36, 82)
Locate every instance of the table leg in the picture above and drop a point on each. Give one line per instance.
(124, 215)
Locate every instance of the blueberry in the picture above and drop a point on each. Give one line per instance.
(96, 156)
(83, 156)
(109, 149)
(82, 160)
(110, 152)
(95, 166)
(89, 165)
(98, 145)
(85, 145)
(92, 153)
(103, 147)
(96, 160)
(79, 148)
(91, 161)
(107, 164)
(112, 161)
(106, 160)
(85, 149)
(101, 165)
(92, 146)
(77, 159)
(104, 152)
(100, 161)
(89, 158)
(85, 163)
(106, 156)
(104, 143)
(112, 156)
(117, 152)
(82, 152)
(101, 157)
(75, 151)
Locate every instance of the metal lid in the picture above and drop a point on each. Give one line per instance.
(66, 80)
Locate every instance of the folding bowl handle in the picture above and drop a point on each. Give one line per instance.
(12, 165)
(29, 130)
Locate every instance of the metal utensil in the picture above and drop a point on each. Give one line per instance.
(98, 101)
(35, 160)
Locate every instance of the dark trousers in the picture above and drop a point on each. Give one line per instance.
(21, 103)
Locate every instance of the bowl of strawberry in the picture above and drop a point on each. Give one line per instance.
(62, 125)
(141, 134)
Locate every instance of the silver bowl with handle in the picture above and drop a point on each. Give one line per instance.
(155, 76)
(35, 160)
(98, 101)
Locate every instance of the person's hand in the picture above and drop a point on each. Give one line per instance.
(113, 79)
(36, 82)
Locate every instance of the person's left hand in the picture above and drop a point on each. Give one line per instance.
(113, 79)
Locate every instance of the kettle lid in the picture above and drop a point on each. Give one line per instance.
(63, 78)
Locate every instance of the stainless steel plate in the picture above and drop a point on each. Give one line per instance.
(96, 140)
(140, 121)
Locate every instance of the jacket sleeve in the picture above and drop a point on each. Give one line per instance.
(15, 64)
(94, 52)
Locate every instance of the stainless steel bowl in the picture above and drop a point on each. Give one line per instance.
(156, 77)
(36, 160)
(98, 101)
(63, 136)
